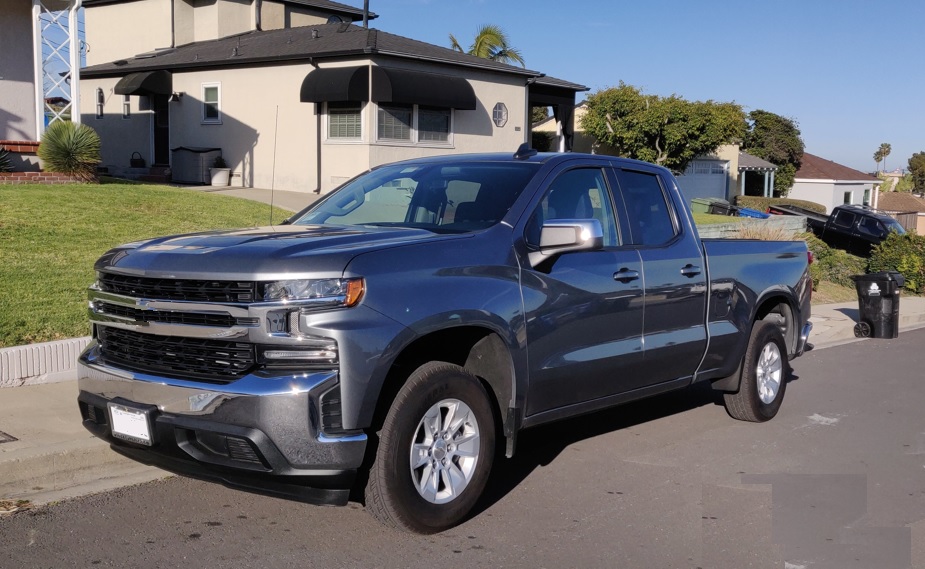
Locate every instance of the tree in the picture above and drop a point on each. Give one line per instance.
(490, 43)
(669, 131)
(917, 169)
(776, 139)
(538, 114)
(881, 154)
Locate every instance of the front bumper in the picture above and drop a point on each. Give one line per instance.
(261, 433)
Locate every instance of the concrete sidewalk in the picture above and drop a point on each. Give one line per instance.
(47, 455)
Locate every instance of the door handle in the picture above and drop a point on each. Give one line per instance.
(690, 270)
(625, 275)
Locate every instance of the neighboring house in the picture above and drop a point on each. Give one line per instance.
(831, 184)
(292, 101)
(714, 175)
(18, 122)
(905, 207)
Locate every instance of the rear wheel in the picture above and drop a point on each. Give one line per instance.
(435, 451)
(764, 376)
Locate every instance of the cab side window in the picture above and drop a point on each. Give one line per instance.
(650, 218)
(576, 194)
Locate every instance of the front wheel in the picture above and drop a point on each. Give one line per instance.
(764, 376)
(435, 451)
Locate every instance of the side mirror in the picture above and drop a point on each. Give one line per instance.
(558, 236)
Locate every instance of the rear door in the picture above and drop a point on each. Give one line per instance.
(674, 330)
(583, 314)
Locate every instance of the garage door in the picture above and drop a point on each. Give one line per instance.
(704, 179)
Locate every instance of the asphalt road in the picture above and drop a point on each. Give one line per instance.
(837, 480)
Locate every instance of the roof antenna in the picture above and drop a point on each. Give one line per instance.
(524, 152)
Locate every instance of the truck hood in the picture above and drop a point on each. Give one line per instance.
(284, 251)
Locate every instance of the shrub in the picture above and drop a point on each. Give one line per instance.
(833, 265)
(70, 149)
(762, 203)
(902, 253)
(6, 165)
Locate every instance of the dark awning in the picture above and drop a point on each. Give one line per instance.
(146, 83)
(390, 85)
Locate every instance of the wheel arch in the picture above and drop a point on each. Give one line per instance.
(479, 349)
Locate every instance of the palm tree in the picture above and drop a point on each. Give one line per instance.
(490, 43)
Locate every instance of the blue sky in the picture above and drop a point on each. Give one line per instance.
(850, 72)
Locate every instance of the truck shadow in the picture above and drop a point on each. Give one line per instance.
(541, 445)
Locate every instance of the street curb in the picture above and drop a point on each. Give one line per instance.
(33, 364)
(67, 469)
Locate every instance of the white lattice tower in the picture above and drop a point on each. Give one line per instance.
(56, 45)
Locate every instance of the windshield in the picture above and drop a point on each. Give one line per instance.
(437, 197)
(894, 226)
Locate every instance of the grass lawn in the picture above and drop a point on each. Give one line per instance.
(50, 236)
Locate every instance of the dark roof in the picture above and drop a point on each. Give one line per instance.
(816, 168)
(749, 162)
(900, 201)
(325, 5)
(306, 43)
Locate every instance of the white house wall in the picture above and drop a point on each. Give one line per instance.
(829, 193)
(249, 129)
(119, 137)
(17, 84)
(110, 41)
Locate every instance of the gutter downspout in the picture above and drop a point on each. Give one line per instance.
(173, 23)
(258, 17)
(74, 41)
(365, 13)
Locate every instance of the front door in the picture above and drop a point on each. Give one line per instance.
(161, 130)
(584, 312)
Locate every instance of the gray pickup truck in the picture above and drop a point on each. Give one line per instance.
(395, 337)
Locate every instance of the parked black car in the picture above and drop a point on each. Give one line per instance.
(854, 228)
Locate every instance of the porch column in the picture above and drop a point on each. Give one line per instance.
(742, 182)
(772, 185)
(766, 183)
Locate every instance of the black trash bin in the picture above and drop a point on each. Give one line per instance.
(878, 301)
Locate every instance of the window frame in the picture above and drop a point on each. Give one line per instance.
(415, 130)
(360, 106)
(100, 102)
(204, 119)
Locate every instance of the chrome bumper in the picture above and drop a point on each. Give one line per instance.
(273, 420)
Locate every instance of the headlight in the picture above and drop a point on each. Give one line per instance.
(329, 292)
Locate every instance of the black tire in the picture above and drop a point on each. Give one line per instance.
(750, 403)
(392, 496)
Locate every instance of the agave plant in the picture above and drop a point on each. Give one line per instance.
(70, 149)
(6, 165)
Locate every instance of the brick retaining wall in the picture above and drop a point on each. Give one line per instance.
(47, 178)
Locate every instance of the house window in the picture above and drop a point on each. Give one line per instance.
(395, 122)
(126, 107)
(433, 125)
(866, 197)
(345, 121)
(100, 99)
(847, 198)
(413, 124)
(211, 103)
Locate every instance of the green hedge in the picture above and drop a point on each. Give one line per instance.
(761, 203)
(905, 254)
(833, 265)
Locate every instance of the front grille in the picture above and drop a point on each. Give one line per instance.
(187, 318)
(179, 289)
(213, 361)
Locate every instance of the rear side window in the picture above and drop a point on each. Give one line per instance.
(650, 217)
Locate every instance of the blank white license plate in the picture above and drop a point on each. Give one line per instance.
(130, 424)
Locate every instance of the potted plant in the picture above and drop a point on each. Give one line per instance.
(220, 172)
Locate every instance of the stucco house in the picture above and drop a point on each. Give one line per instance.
(292, 93)
(831, 184)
